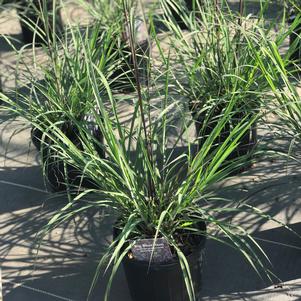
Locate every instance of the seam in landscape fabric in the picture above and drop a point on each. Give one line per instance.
(16, 284)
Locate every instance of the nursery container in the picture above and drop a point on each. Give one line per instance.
(36, 137)
(31, 16)
(123, 76)
(165, 281)
(178, 19)
(295, 35)
(56, 172)
(246, 143)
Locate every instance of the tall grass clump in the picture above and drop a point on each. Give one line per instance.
(156, 189)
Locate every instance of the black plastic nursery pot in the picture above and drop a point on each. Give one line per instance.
(27, 32)
(123, 77)
(31, 20)
(177, 17)
(295, 36)
(165, 281)
(36, 137)
(57, 173)
(246, 143)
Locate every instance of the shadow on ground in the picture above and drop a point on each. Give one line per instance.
(64, 266)
(226, 271)
(67, 259)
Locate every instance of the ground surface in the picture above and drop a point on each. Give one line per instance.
(67, 259)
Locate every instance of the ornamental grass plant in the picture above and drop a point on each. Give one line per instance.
(219, 64)
(64, 90)
(156, 189)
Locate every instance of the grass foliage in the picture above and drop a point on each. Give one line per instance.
(226, 67)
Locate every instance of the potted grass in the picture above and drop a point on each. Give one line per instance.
(165, 203)
(220, 65)
(285, 101)
(65, 91)
(163, 212)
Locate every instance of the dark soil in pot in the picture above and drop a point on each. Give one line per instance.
(57, 173)
(165, 281)
(294, 36)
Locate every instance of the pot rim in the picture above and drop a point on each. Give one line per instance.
(175, 260)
